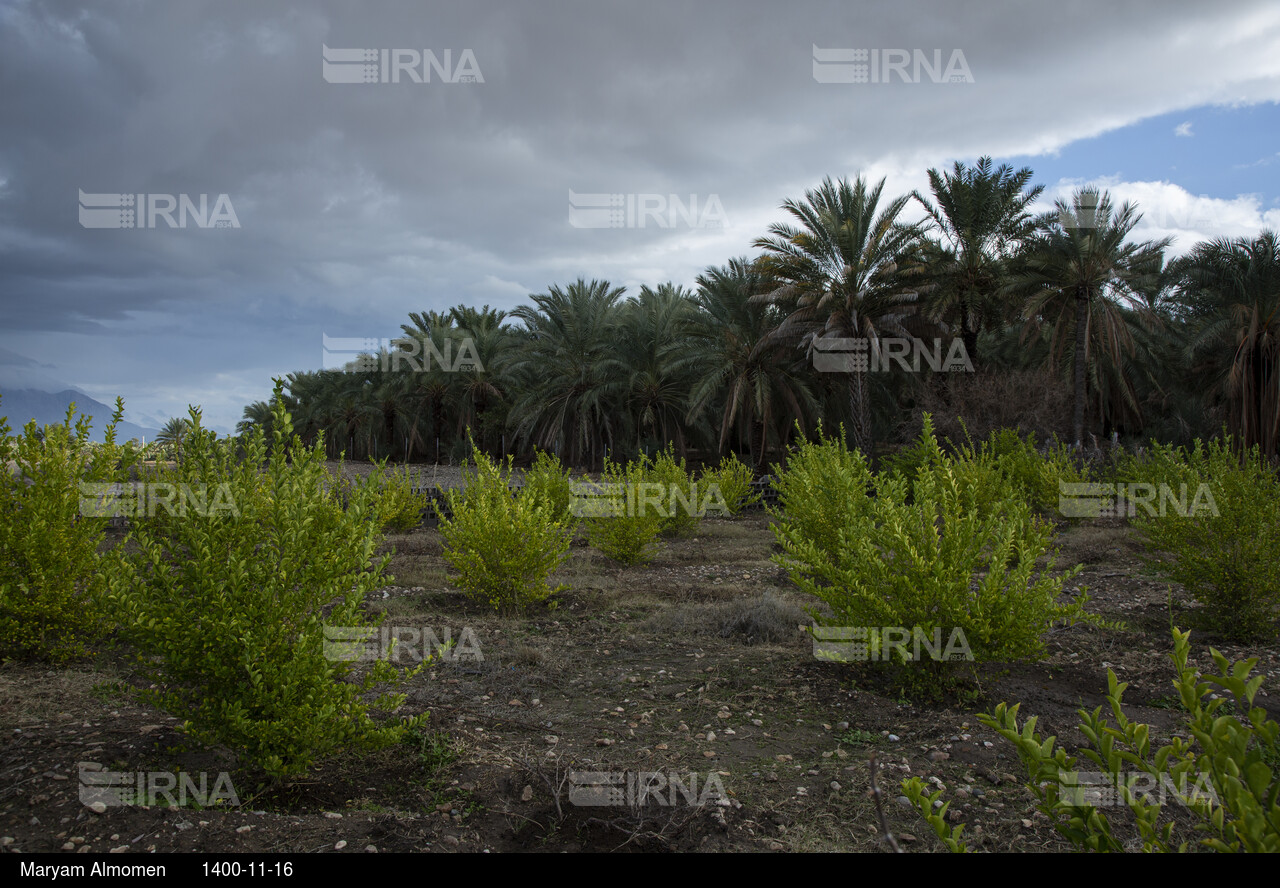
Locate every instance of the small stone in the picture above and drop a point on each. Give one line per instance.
(711, 736)
(904, 801)
(939, 756)
(6, 841)
(340, 844)
(551, 739)
(842, 726)
(988, 744)
(527, 794)
(98, 807)
(893, 738)
(372, 849)
(243, 829)
(1026, 824)
(119, 849)
(68, 846)
(605, 741)
(450, 840)
(906, 837)
(721, 714)
(835, 785)
(757, 722)
(333, 815)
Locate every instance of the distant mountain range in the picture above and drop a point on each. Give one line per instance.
(22, 405)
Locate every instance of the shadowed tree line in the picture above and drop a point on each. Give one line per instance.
(1063, 308)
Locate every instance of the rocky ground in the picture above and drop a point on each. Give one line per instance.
(692, 666)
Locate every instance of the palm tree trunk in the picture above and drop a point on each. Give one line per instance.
(969, 336)
(858, 414)
(1077, 419)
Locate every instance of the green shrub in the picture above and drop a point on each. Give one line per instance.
(1036, 477)
(620, 520)
(228, 604)
(551, 486)
(1224, 774)
(1005, 463)
(400, 507)
(681, 498)
(935, 555)
(1219, 541)
(51, 577)
(503, 545)
(824, 486)
(732, 479)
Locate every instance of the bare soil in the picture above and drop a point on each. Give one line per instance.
(692, 665)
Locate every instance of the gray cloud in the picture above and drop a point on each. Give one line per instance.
(361, 202)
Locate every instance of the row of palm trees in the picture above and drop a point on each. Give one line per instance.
(1147, 347)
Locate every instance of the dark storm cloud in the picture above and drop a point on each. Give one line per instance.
(360, 202)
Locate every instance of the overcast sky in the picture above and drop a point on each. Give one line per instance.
(350, 204)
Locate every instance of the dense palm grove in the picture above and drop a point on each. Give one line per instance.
(1070, 326)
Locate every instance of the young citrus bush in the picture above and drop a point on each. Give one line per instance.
(681, 498)
(1036, 477)
(733, 480)
(51, 576)
(1224, 773)
(1004, 464)
(399, 505)
(1216, 531)
(230, 600)
(934, 555)
(503, 545)
(620, 514)
(551, 485)
(824, 486)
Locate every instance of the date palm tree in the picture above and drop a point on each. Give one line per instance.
(567, 370)
(1079, 276)
(1234, 287)
(173, 434)
(651, 344)
(850, 270)
(981, 216)
(748, 387)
